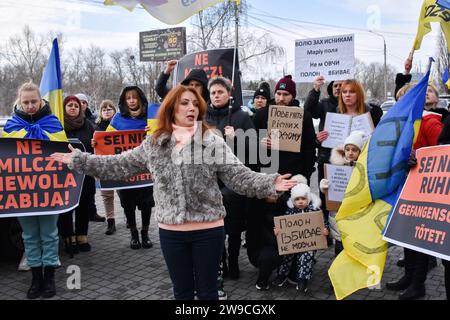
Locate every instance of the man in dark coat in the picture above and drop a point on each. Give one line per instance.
(262, 247)
(196, 78)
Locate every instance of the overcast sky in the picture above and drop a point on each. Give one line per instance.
(88, 21)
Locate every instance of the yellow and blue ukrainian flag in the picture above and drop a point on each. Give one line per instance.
(120, 123)
(444, 3)
(51, 85)
(445, 78)
(46, 128)
(152, 117)
(433, 11)
(373, 189)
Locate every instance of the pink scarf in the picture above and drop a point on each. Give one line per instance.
(183, 134)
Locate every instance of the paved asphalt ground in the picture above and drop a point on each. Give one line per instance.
(112, 271)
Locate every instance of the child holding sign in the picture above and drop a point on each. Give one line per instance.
(301, 201)
(340, 156)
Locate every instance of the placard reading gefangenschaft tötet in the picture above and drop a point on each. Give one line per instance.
(331, 57)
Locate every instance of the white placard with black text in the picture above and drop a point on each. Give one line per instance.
(331, 57)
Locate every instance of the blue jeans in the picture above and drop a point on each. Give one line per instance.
(193, 259)
(40, 237)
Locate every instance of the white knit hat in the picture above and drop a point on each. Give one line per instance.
(300, 190)
(355, 138)
(303, 190)
(82, 97)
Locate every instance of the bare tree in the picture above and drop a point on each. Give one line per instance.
(441, 61)
(215, 28)
(27, 51)
(371, 77)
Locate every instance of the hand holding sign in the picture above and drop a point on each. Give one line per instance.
(322, 136)
(266, 142)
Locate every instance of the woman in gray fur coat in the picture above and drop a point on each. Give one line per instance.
(185, 159)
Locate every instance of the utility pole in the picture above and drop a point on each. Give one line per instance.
(385, 64)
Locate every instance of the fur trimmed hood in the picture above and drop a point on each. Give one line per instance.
(303, 190)
(337, 157)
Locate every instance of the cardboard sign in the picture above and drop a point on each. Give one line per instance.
(331, 57)
(338, 178)
(116, 142)
(163, 44)
(421, 218)
(285, 127)
(300, 232)
(31, 183)
(216, 63)
(339, 127)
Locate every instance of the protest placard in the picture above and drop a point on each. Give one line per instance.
(163, 44)
(421, 217)
(216, 63)
(339, 127)
(116, 142)
(300, 232)
(285, 127)
(32, 183)
(331, 57)
(338, 178)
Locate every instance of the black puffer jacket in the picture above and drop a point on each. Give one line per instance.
(443, 112)
(293, 162)
(444, 138)
(219, 118)
(89, 115)
(31, 118)
(319, 109)
(102, 125)
(84, 134)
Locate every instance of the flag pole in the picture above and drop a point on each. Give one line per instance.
(236, 43)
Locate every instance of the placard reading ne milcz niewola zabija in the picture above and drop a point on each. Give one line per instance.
(331, 57)
(32, 183)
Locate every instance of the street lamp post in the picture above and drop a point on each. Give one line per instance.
(385, 65)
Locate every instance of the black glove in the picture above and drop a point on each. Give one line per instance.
(412, 161)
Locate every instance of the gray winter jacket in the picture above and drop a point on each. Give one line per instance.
(185, 182)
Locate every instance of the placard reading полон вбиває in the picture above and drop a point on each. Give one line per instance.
(330, 57)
